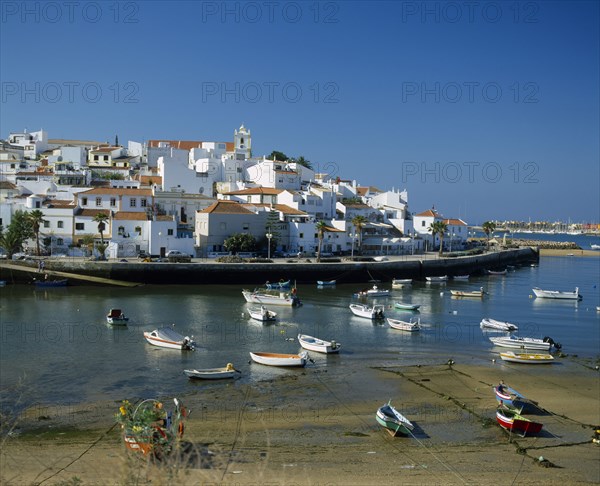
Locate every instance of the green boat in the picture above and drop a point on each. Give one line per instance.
(412, 307)
(393, 421)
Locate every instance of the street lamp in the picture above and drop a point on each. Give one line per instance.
(353, 236)
(412, 242)
(269, 236)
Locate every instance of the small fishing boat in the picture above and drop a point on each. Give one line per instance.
(512, 421)
(556, 294)
(595, 247)
(2, 283)
(318, 345)
(51, 283)
(167, 337)
(410, 326)
(468, 293)
(213, 373)
(488, 323)
(511, 397)
(398, 283)
(361, 310)
(373, 292)
(528, 358)
(497, 272)
(262, 314)
(326, 283)
(116, 317)
(441, 278)
(278, 285)
(267, 297)
(278, 359)
(460, 277)
(532, 344)
(412, 307)
(393, 421)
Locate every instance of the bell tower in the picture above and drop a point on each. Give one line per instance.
(242, 141)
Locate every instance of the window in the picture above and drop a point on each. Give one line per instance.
(79, 226)
(46, 224)
(138, 230)
(143, 202)
(95, 157)
(301, 235)
(245, 226)
(132, 203)
(98, 201)
(423, 224)
(113, 202)
(60, 242)
(84, 201)
(121, 230)
(59, 224)
(170, 232)
(106, 157)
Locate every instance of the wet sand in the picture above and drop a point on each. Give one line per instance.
(309, 427)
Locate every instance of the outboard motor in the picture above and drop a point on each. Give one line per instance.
(548, 339)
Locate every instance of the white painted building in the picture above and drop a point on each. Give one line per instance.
(33, 143)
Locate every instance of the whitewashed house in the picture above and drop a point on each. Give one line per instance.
(33, 143)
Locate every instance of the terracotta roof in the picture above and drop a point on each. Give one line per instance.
(105, 149)
(255, 190)
(187, 144)
(131, 216)
(93, 212)
(331, 229)
(7, 185)
(59, 203)
(357, 206)
(66, 141)
(114, 191)
(430, 212)
(455, 222)
(283, 208)
(226, 207)
(147, 180)
(363, 190)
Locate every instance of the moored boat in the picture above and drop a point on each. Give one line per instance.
(489, 323)
(460, 277)
(62, 282)
(361, 310)
(403, 306)
(280, 359)
(468, 293)
(532, 344)
(262, 314)
(497, 272)
(213, 373)
(410, 326)
(557, 294)
(326, 283)
(529, 358)
(398, 283)
(440, 278)
(281, 285)
(266, 297)
(393, 421)
(512, 421)
(116, 317)
(318, 345)
(167, 337)
(373, 292)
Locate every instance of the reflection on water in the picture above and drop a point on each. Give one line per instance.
(56, 341)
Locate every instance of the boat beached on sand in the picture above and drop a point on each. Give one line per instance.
(393, 421)
(361, 310)
(167, 337)
(556, 294)
(511, 397)
(532, 344)
(529, 358)
(512, 421)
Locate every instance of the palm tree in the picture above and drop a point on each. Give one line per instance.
(320, 227)
(359, 222)
(35, 219)
(101, 219)
(438, 228)
(488, 228)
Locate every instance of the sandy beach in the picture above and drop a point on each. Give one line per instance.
(307, 428)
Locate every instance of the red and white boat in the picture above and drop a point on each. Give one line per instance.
(513, 422)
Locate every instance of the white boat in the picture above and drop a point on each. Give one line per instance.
(213, 373)
(278, 359)
(441, 278)
(468, 293)
(412, 307)
(488, 323)
(557, 294)
(410, 326)
(262, 314)
(373, 292)
(265, 297)
(361, 310)
(167, 337)
(595, 247)
(497, 272)
(319, 345)
(326, 283)
(116, 317)
(527, 358)
(398, 283)
(393, 421)
(460, 277)
(523, 343)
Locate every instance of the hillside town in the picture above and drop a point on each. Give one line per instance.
(191, 196)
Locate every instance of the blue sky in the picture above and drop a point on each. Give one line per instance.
(487, 110)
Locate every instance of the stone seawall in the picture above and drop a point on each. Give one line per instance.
(256, 274)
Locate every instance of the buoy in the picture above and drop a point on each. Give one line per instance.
(530, 296)
(493, 360)
(441, 294)
(454, 312)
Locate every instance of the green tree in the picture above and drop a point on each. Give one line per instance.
(11, 241)
(320, 227)
(438, 228)
(488, 228)
(276, 155)
(101, 219)
(359, 222)
(302, 161)
(87, 242)
(240, 242)
(35, 219)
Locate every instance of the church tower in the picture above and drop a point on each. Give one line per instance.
(242, 141)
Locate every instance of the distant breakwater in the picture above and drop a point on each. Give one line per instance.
(545, 244)
(303, 272)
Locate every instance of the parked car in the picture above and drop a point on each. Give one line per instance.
(171, 253)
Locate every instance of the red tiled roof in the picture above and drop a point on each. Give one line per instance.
(455, 222)
(130, 216)
(226, 207)
(93, 212)
(254, 190)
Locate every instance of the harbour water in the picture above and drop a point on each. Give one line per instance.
(56, 348)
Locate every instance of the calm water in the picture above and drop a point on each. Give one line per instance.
(55, 346)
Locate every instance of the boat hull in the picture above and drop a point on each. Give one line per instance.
(267, 299)
(262, 315)
(318, 345)
(514, 422)
(367, 312)
(396, 424)
(117, 321)
(558, 295)
(527, 358)
(399, 305)
(156, 338)
(211, 374)
(275, 359)
(521, 343)
(511, 397)
(487, 323)
(404, 326)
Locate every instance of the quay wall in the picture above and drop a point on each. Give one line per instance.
(256, 274)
